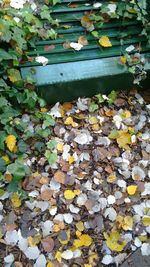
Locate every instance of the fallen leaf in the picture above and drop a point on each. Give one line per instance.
(59, 177)
(82, 40)
(49, 47)
(67, 254)
(114, 241)
(48, 244)
(69, 194)
(105, 42)
(16, 201)
(84, 240)
(124, 139)
(131, 189)
(11, 142)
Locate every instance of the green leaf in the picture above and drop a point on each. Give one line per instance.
(2, 165)
(22, 146)
(49, 121)
(51, 157)
(112, 97)
(4, 55)
(100, 98)
(113, 134)
(51, 144)
(93, 106)
(18, 170)
(2, 139)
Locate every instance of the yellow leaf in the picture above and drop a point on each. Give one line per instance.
(92, 120)
(146, 220)
(111, 178)
(123, 59)
(6, 158)
(67, 26)
(69, 194)
(128, 223)
(71, 159)
(78, 233)
(11, 142)
(77, 192)
(16, 202)
(60, 146)
(80, 226)
(58, 256)
(92, 258)
(114, 241)
(44, 109)
(84, 240)
(105, 42)
(126, 114)
(124, 139)
(87, 265)
(131, 189)
(143, 238)
(6, 17)
(70, 121)
(50, 264)
(33, 241)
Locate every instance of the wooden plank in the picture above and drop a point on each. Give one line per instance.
(93, 45)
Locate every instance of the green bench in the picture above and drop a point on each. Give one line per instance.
(69, 73)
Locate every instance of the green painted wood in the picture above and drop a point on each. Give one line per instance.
(87, 54)
(71, 37)
(69, 73)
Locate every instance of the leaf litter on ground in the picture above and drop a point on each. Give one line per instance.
(85, 200)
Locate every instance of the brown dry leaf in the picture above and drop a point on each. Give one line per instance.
(49, 47)
(87, 23)
(48, 244)
(46, 194)
(66, 45)
(8, 177)
(82, 40)
(73, 5)
(67, 106)
(44, 180)
(59, 177)
(18, 264)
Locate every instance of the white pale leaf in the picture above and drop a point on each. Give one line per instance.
(55, 111)
(111, 199)
(74, 209)
(11, 237)
(82, 104)
(47, 227)
(81, 199)
(67, 254)
(97, 5)
(9, 258)
(42, 60)
(111, 214)
(41, 261)
(130, 48)
(145, 249)
(32, 253)
(112, 8)
(107, 259)
(76, 46)
(68, 218)
(83, 138)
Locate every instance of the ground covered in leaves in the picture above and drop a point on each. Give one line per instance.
(85, 198)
